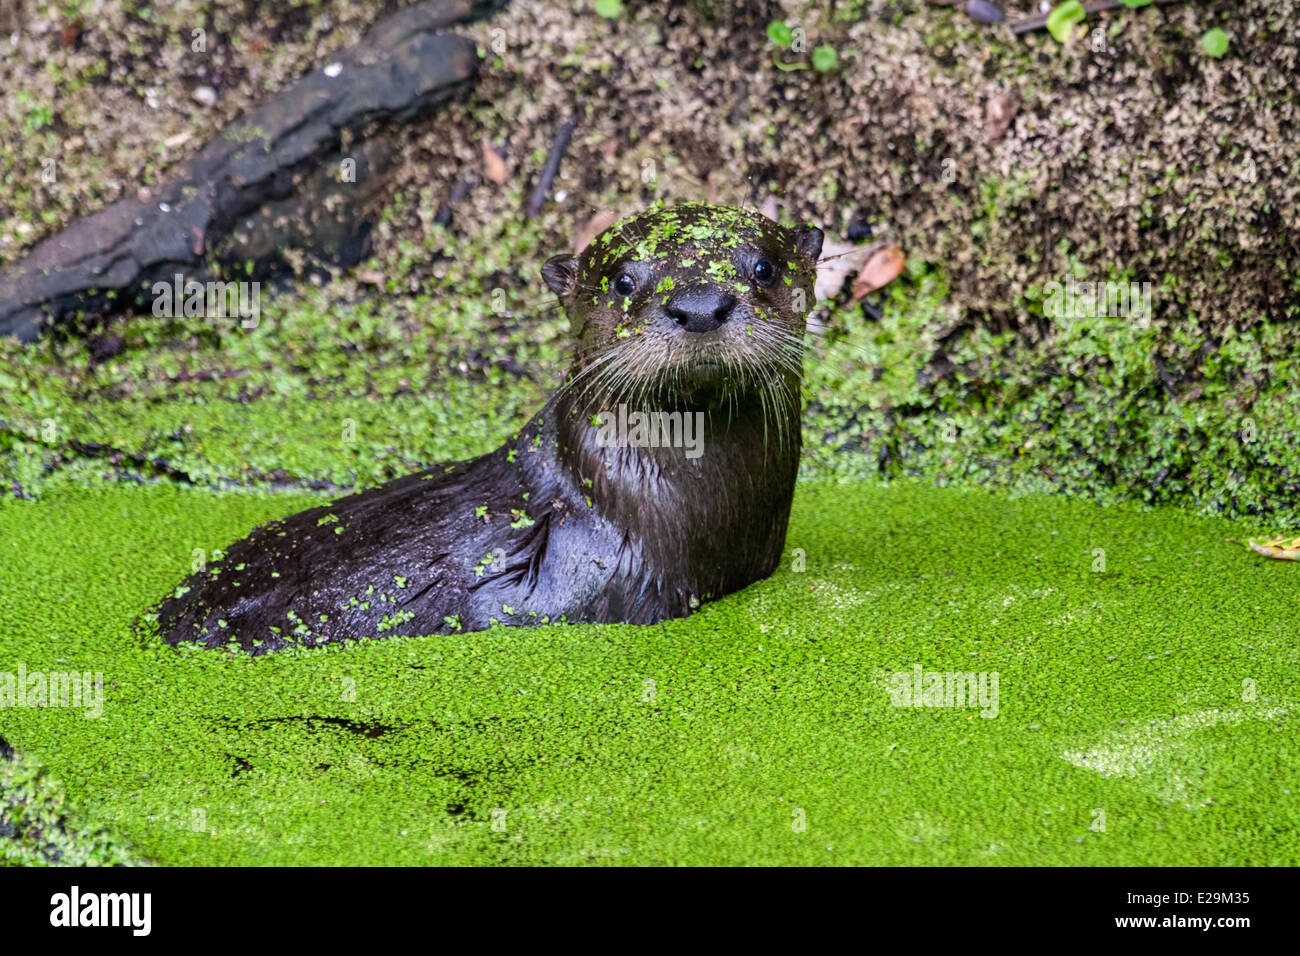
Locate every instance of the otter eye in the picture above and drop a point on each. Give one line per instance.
(624, 284)
(764, 271)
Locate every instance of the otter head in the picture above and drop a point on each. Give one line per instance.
(688, 299)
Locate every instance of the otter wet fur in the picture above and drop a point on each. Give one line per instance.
(692, 316)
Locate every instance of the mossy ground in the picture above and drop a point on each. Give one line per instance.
(1161, 691)
(336, 388)
(1128, 154)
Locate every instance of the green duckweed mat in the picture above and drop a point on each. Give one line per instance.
(1145, 713)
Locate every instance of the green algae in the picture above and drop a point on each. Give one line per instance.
(695, 741)
(1159, 691)
(40, 828)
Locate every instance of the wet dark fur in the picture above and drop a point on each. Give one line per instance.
(604, 534)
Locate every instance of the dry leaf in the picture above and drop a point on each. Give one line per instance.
(838, 261)
(881, 268)
(999, 111)
(494, 167)
(1277, 548)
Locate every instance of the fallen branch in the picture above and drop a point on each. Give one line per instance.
(558, 146)
(270, 181)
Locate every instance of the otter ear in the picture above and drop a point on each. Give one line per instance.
(560, 273)
(808, 241)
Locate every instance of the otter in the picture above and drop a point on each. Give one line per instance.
(659, 475)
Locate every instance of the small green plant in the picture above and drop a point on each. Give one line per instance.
(1061, 21)
(38, 115)
(779, 33)
(609, 9)
(824, 58)
(1215, 43)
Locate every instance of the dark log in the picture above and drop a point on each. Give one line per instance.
(249, 190)
(324, 214)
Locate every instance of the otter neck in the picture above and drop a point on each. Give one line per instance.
(713, 509)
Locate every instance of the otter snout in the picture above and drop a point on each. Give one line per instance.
(700, 310)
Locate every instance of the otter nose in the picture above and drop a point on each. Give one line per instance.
(700, 310)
